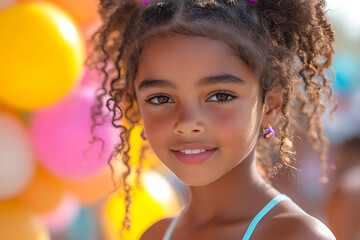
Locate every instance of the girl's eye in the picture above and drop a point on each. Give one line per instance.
(160, 99)
(221, 97)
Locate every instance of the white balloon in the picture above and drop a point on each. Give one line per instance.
(17, 165)
(345, 12)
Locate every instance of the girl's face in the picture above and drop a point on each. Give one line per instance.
(194, 94)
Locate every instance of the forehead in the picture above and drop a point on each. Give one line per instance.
(189, 57)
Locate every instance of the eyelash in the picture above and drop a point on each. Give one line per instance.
(213, 94)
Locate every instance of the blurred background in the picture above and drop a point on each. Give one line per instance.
(55, 182)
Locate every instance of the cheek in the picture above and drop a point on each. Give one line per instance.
(157, 127)
(239, 127)
(238, 119)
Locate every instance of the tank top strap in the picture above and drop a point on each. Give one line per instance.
(252, 225)
(172, 225)
(262, 213)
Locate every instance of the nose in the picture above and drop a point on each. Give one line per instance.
(189, 122)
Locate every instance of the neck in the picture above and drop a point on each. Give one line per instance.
(228, 198)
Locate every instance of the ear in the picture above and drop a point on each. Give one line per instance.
(272, 107)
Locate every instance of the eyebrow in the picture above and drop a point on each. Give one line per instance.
(225, 78)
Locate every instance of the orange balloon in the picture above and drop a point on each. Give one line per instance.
(17, 223)
(83, 11)
(6, 109)
(91, 190)
(43, 194)
(90, 29)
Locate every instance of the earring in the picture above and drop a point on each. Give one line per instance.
(268, 132)
(143, 135)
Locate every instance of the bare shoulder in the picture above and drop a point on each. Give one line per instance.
(157, 230)
(309, 227)
(296, 226)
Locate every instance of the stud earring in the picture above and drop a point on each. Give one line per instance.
(268, 132)
(143, 135)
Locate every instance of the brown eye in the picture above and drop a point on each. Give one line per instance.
(163, 99)
(221, 97)
(160, 99)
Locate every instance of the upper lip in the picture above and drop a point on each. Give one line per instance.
(191, 146)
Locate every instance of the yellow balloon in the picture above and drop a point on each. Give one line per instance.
(83, 11)
(141, 149)
(16, 223)
(155, 200)
(136, 144)
(42, 54)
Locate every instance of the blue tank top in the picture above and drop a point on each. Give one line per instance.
(252, 225)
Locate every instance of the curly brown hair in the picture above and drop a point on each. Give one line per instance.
(288, 43)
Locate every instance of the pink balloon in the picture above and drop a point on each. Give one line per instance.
(61, 133)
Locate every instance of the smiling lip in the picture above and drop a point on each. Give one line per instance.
(191, 146)
(193, 158)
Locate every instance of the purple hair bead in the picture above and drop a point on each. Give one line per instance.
(143, 135)
(145, 2)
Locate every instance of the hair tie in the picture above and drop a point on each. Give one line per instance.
(254, 1)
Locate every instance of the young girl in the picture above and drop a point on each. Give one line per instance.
(217, 86)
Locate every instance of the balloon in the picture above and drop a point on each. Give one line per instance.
(140, 148)
(17, 165)
(5, 109)
(41, 56)
(91, 190)
(61, 135)
(347, 73)
(25, 116)
(89, 30)
(4, 4)
(83, 11)
(43, 194)
(17, 223)
(84, 226)
(63, 215)
(136, 143)
(155, 200)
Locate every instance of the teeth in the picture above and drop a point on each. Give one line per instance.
(195, 151)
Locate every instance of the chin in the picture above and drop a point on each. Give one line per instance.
(196, 181)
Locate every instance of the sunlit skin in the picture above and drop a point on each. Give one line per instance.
(226, 189)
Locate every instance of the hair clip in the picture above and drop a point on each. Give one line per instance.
(145, 2)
